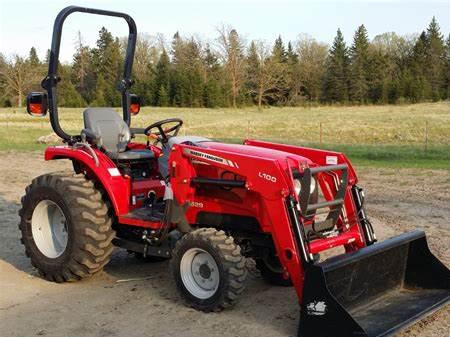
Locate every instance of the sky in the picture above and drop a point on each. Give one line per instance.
(26, 23)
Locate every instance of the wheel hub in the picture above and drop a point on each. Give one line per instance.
(49, 229)
(205, 272)
(199, 273)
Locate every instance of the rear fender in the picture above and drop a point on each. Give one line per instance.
(106, 173)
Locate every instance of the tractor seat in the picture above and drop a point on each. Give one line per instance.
(107, 130)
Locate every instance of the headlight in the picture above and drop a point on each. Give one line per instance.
(297, 186)
(312, 187)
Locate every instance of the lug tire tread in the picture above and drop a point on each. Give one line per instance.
(92, 242)
(233, 262)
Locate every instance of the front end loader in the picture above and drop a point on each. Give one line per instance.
(373, 289)
(209, 206)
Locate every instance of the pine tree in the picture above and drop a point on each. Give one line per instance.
(36, 70)
(163, 98)
(336, 77)
(252, 73)
(379, 85)
(67, 93)
(278, 51)
(47, 57)
(293, 77)
(107, 61)
(280, 69)
(435, 60)
(187, 73)
(100, 92)
(194, 73)
(359, 62)
(291, 55)
(212, 96)
(417, 86)
(33, 57)
(178, 81)
(212, 90)
(162, 80)
(447, 68)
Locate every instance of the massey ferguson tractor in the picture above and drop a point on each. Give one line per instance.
(209, 206)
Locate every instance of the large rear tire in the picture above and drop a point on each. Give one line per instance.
(65, 226)
(209, 270)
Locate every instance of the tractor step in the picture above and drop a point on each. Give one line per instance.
(145, 214)
(149, 217)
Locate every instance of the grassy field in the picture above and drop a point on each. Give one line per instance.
(393, 136)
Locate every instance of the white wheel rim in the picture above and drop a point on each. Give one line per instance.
(199, 273)
(49, 229)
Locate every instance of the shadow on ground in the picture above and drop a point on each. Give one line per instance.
(140, 292)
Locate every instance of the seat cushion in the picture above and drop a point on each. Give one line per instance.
(132, 155)
(113, 132)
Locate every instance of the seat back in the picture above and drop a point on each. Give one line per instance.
(113, 132)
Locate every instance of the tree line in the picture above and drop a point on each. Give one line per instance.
(231, 72)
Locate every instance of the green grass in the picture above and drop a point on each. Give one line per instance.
(381, 136)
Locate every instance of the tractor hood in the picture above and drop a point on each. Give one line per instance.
(257, 151)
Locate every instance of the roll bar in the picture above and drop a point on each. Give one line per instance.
(50, 82)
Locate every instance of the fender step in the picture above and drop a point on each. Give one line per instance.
(375, 291)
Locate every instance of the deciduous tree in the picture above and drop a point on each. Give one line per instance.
(264, 75)
(312, 57)
(232, 52)
(19, 77)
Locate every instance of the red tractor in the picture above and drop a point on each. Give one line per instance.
(209, 206)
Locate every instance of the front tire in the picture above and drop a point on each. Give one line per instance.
(209, 270)
(65, 227)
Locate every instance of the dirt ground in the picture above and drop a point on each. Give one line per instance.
(397, 201)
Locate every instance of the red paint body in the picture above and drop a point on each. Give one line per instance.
(266, 169)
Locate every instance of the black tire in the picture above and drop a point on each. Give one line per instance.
(231, 265)
(272, 272)
(87, 223)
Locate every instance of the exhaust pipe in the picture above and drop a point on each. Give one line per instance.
(375, 291)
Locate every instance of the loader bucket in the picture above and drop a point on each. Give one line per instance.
(375, 291)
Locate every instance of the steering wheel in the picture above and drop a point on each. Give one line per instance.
(162, 135)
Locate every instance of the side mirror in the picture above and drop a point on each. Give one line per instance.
(37, 104)
(135, 104)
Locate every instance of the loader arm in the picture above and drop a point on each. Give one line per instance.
(273, 211)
